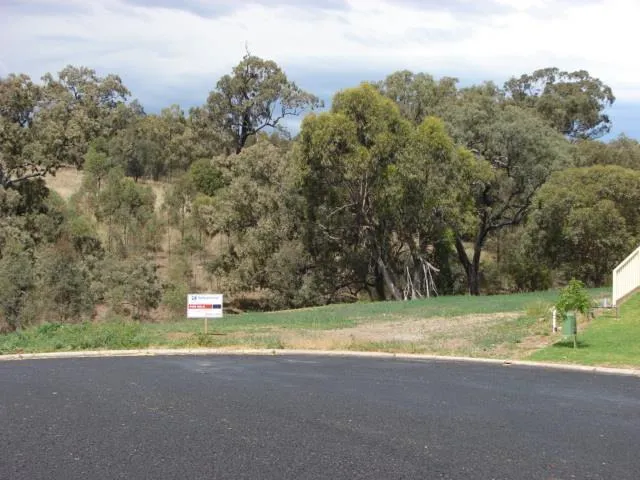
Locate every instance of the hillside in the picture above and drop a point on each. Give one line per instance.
(67, 181)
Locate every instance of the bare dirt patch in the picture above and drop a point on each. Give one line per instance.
(433, 334)
(178, 336)
(420, 328)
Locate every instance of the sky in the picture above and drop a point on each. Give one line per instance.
(171, 51)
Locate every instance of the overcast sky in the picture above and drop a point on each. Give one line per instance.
(170, 51)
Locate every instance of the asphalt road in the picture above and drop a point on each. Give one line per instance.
(309, 418)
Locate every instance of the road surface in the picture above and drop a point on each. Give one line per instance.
(308, 417)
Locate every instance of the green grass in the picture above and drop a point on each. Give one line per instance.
(263, 330)
(605, 341)
(84, 336)
(510, 332)
(348, 315)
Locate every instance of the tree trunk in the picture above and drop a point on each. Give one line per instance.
(471, 267)
(244, 132)
(388, 281)
(182, 214)
(474, 278)
(379, 285)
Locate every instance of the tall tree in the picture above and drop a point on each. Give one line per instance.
(372, 184)
(141, 149)
(79, 106)
(257, 95)
(181, 144)
(258, 211)
(521, 150)
(21, 157)
(572, 102)
(347, 155)
(178, 203)
(432, 181)
(128, 206)
(45, 126)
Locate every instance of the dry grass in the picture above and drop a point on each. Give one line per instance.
(418, 329)
(159, 190)
(66, 181)
(502, 335)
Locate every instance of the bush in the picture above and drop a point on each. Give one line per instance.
(522, 264)
(207, 178)
(17, 279)
(131, 286)
(493, 279)
(174, 297)
(64, 285)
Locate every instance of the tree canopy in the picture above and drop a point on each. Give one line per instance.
(583, 219)
(574, 103)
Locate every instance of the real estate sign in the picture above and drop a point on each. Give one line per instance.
(204, 305)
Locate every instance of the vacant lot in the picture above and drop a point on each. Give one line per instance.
(501, 326)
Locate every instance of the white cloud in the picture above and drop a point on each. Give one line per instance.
(170, 46)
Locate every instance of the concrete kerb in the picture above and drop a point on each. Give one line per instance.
(327, 353)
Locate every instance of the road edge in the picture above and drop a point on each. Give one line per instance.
(327, 353)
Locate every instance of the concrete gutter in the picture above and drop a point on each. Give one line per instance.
(329, 353)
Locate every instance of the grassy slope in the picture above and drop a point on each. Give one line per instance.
(605, 341)
(266, 329)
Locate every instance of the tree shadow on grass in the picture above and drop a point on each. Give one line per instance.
(569, 344)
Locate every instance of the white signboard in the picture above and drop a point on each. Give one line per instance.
(204, 305)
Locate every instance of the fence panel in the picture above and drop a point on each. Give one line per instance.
(626, 276)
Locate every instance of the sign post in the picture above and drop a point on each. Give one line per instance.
(205, 306)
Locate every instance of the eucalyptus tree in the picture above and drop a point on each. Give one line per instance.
(374, 185)
(21, 155)
(521, 151)
(257, 95)
(573, 103)
(78, 106)
(622, 151)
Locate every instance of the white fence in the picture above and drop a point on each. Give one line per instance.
(626, 276)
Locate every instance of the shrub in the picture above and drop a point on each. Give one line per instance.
(574, 297)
